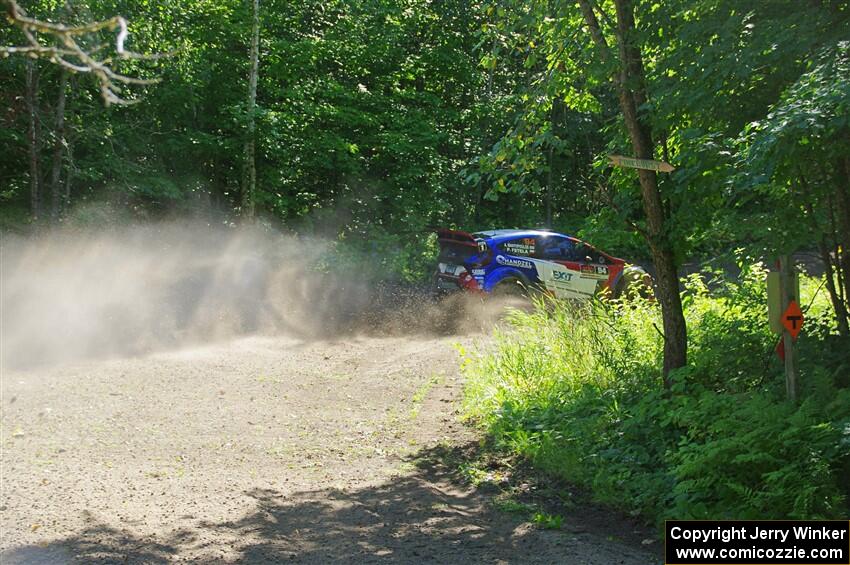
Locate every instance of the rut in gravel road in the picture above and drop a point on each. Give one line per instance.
(262, 449)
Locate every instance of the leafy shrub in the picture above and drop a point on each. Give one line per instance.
(548, 521)
(577, 390)
(750, 455)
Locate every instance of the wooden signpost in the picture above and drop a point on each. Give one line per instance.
(786, 318)
(660, 166)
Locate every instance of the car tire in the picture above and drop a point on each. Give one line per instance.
(634, 281)
(511, 287)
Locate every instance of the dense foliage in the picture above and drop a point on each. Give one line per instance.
(577, 391)
(383, 117)
(370, 118)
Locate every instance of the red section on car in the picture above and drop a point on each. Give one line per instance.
(456, 237)
(456, 248)
(468, 282)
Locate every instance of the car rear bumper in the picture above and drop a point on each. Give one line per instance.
(446, 283)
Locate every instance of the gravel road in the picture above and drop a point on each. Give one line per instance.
(260, 450)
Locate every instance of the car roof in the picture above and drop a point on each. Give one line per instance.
(508, 234)
(498, 236)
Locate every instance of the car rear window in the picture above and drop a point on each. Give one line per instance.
(455, 252)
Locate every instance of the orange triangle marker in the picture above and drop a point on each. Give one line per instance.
(792, 319)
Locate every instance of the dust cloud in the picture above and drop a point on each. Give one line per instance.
(69, 295)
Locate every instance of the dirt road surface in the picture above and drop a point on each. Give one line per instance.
(261, 450)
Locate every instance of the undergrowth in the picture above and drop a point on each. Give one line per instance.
(577, 390)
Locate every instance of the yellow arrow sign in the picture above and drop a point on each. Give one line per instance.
(660, 166)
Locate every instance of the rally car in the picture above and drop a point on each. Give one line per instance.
(511, 261)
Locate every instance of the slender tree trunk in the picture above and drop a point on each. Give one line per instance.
(842, 211)
(69, 151)
(631, 92)
(833, 232)
(835, 297)
(58, 149)
(34, 141)
(69, 176)
(550, 175)
(834, 291)
(548, 194)
(632, 97)
(485, 138)
(834, 294)
(249, 182)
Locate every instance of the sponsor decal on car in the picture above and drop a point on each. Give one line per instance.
(594, 271)
(562, 276)
(478, 272)
(511, 262)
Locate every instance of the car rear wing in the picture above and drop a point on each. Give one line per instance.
(455, 237)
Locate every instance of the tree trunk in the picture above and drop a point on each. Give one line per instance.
(631, 92)
(831, 273)
(58, 149)
(69, 176)
(249, 182)
(550, 175)
(69, 151)
(842, 209)
(632, 97)
(834, 291)
(835, 297)
(548, 194)
(486, 144)
(34, 141)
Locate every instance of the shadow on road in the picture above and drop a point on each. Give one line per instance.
(425, 516)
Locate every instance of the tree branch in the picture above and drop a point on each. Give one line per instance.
(610, 201)
(70, 55)
(593, 25)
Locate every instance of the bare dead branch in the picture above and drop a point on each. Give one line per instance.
(58, 43)
(36, 51)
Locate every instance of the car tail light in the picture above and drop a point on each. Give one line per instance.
(468, 282)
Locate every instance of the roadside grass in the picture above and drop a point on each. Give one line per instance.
(576, 390)
(548, 521)
(512, 506)
(419, 396)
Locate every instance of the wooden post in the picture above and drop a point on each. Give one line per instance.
(788, 290)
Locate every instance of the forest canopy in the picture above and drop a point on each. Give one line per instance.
(375, 118)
